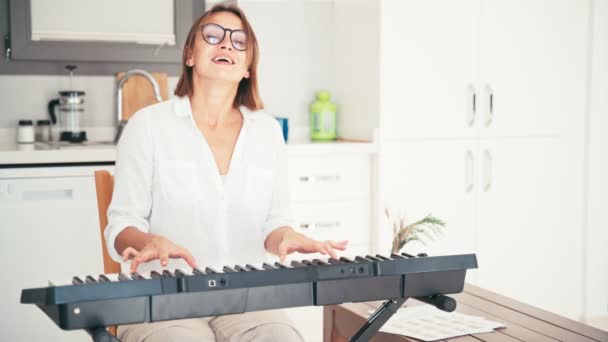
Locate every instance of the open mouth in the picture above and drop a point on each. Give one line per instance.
(222, 60)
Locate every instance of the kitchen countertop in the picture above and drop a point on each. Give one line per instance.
(17, 155)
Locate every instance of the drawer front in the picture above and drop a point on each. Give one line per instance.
(345, 220)
(329, 178)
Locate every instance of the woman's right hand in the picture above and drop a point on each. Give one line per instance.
(157, 247)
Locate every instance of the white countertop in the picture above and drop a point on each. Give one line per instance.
(101, 150)
(39, 153)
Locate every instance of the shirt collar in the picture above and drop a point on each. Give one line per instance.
(181, 108)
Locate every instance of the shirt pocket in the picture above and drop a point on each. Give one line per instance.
(179, 181)
(259, 187)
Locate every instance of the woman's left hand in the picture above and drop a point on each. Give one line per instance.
(293, 241)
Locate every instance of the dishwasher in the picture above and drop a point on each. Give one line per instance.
(49, 230)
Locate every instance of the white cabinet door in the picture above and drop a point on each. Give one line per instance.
(438, 177)
(428, 68)
(533, 62)
(530, 222)
(49, 231)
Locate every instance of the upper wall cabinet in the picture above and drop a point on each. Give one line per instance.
(101, 37)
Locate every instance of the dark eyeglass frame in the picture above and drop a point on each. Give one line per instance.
(223, 36)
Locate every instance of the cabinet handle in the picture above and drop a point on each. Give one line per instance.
(320, 225)
(490, 111)
(472, 94)
(319, 179)
(487, 166)
(469, 171)
(43, 195)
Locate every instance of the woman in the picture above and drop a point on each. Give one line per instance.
(202, 178)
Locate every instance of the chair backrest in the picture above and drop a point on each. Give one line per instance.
(104, 184)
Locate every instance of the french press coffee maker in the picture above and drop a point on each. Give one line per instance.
(68, 108)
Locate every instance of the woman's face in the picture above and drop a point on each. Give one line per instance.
(221, 61)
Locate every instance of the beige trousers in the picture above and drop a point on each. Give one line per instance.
(257, 326)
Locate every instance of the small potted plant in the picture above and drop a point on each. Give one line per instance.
(423, 230)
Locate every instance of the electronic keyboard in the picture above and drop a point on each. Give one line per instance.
(95, 302)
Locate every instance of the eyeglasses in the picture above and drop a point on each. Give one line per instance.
(215, 34)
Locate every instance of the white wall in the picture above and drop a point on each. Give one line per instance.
(597, 221)
(296, 53)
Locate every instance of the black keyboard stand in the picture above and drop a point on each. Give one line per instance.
(390, 307)
(377, 320)
(102, 335)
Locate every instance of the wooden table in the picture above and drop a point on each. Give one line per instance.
(524, 322)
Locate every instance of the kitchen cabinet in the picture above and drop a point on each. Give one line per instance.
(101, 52)
(499, 88)
(490, 68)
(49, 231)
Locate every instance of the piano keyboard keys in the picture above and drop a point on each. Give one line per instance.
(361, 259)
(268, 266)
(319, 262)
(251, 267)
(123, 277)
(90, 280)
(346, 260)
(183, 273)
(210, 270)
(137, 276)
(240, 268)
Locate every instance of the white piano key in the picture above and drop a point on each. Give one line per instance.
(112, 277)
(63, 282)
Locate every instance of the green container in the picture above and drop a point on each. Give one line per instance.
(323, 118)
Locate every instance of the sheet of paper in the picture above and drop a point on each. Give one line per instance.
(427, 323)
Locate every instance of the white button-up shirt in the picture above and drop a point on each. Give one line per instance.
(167, 183)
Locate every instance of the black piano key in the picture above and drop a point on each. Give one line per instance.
(240, 268)
(196, 271)
(90, 280)
(372, 258)
(382, 257)
(103, 279)
(346, 260)
(334, 261)
(361, 259)
(280, 265)
(210, 270)
(397, 256)
(77, 281)
(155, 275)
(307, 263)
(319, 262)
(228, 269)
(137, 276)
(295, 264)
(251, 267)
(123, 277)
(407, 255)
(179, 273)
(268, 266)
(167, 274)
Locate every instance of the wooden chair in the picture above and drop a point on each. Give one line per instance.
(104, 185)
